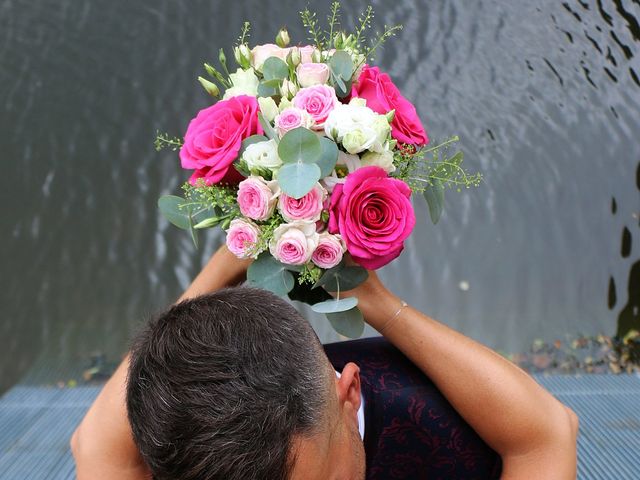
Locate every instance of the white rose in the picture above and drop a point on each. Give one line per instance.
(268, 108)
(359, 139)
(262, 155)
(244, 82)
(294, 243)
(352, 162)
(312, 74)
(383, 159)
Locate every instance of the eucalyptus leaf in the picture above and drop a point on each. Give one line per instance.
(341, 64)
(275, 68)
(434, 194)
(343, 88)
(342, 279)
(328, 157)
(265, 91)
(297, 179)
(349, 323)
(173, 210)
(273, 83)
(266, 126)
(267, 273)
(299, 145)
(335, 306)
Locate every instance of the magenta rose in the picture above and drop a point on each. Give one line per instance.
(242, 237)
(308, 207)
(329, 251)
(382, 96)
(214, 138)
(257, 198)
(373, 214)
(318, 101)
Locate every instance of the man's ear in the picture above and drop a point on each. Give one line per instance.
(348, 386)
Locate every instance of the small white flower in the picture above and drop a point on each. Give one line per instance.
(383, 159)
(268, 108)
(262, 155)
(244, 82)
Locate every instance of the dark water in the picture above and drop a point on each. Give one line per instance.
(545, 95)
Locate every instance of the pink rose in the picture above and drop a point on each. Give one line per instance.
(306, 53)
(242, 237)
(373, 214)
(308, 207)
(257, 198)
(312, 74)
(383, 96)
(214, 138)
(329, 251)
(260, 53)
(317, 101)
(294, 243)
(290, 118)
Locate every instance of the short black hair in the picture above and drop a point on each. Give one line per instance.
(218, 386)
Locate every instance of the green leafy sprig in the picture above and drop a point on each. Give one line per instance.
(164, 140)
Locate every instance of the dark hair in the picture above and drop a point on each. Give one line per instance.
(219, 385)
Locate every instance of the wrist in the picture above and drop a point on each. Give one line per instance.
(375, 301)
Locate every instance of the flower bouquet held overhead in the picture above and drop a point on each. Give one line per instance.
(310, 153)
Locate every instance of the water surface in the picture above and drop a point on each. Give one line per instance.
(545, 96)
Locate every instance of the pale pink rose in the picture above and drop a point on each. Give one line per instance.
(306, 53)
(308, 207)
(257, 198)
(290, 118)
(294, 243)
(318, 101)
(312, 74)
(242, 237)
(329, 251)
(260, 53)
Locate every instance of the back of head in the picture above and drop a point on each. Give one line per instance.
(219, 385)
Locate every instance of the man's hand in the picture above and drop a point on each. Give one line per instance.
(532, 431)
(103, 445)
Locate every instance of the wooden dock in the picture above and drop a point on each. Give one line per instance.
(36, 423)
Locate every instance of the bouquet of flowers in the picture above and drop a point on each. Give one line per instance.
(310, 153)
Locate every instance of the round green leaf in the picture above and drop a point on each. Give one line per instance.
(267, 273)
(349, 323)
(274, 67)
(345, 278)
(328, 158)
(335, 306)
(299, 145)
(171, 208)
(297, 179)
(341, 65)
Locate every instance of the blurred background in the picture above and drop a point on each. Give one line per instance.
(545, 96)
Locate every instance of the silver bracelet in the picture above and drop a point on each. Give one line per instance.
(394, 317)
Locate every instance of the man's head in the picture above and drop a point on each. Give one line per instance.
(236, 385)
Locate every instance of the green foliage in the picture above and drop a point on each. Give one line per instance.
(310, 274)
(342, 277)
(163, 140)
(349, 323)
(299, 145)
(342, 69)
(275, 69)
(328, 158)
(266, 272)
(297, 179)
(420, 168)
(268, 129)
(335, 306)
(434, 195)
(316, 35)
(244, 34)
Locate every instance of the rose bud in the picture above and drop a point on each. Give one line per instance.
(282, 39)
(312, 74)
(210, 87)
